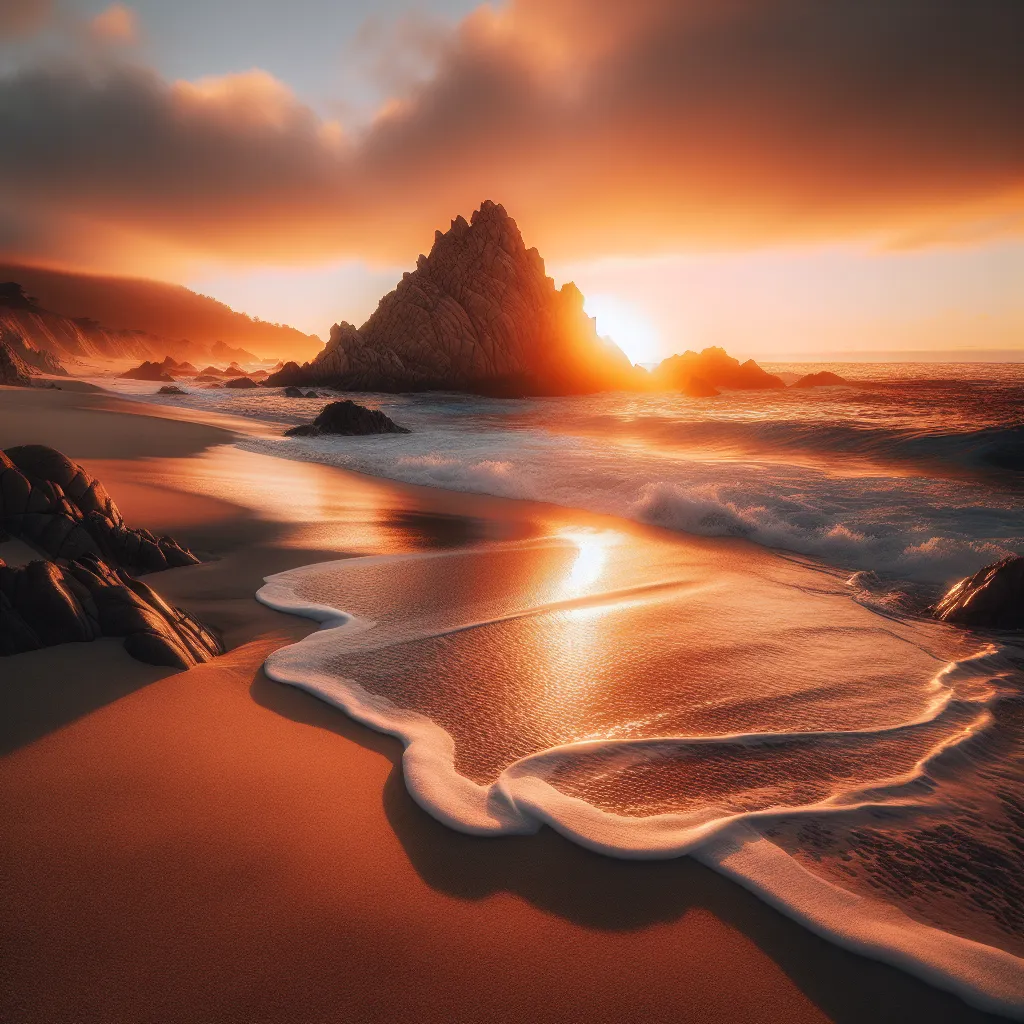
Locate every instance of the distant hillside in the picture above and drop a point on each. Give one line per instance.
(158, 309)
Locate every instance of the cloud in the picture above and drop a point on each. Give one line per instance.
(23, 17)
(115, 24)
(603, 127)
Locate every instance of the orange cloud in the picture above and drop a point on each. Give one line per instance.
(604, 127)
(115, 24)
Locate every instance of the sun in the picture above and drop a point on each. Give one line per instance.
(626, 325)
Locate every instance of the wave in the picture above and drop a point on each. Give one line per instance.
(571, 787)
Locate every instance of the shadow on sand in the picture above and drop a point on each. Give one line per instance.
(600, 892)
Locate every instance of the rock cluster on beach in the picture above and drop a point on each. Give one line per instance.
(84, 590)
(241, 382)
(347, 418)
(477, 314)
(993, 598)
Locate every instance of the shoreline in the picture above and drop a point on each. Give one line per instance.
(179, 848)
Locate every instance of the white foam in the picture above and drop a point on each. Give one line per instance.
(521, 800)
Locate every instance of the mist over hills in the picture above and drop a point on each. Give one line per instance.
(170, 314)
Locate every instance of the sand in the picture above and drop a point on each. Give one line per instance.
(212, 846)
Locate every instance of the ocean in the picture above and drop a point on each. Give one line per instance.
(771, 698)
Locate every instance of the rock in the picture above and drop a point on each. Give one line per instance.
(477, 314)
(185, 369)
(53, 504)
(313, 394)
(993, 598)
(43, 604)
(293, 392)
(211, 372)
(349, 419)
(37, 360)
(13, 371)
(822, 379)
(241, 382)
(148, 371)
(205, 378)
(171, 389)
(713, 367)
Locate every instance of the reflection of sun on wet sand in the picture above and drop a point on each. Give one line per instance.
(210, 845)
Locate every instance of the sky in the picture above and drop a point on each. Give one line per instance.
(786, 178)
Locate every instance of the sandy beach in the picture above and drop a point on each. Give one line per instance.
(212, 846)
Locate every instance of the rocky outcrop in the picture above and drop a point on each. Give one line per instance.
(42, 604)
(84, 590)
(183, 369)
(715, 368)
(822, 379)
(993, 598)
(477, 314)
(56, 506)
(13, 371)
(241, 382)
(349, 419)
(37, 360)
(147, 371)
(171, 389)
(293, 392)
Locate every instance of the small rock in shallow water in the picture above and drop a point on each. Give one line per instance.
(171, 389)
(349, 419)
(993, 598)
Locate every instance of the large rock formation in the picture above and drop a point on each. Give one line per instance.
(477, 314)
(712, 367)
(349, 419)
(83, 591)
(993, 598)
(241, 382)
(56, 506)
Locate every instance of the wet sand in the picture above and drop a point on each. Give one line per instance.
(212, 846)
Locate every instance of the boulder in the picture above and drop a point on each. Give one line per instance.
(43, 604)
(822, 379)
(993, 598)
(293, 392)
(241, 382)
(349, 419)
(477, 314)
(53, 504)
(148, 371)
(171, 389)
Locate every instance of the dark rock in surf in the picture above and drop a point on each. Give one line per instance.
(714, 368)
(993, 598)
(43, 604)
(53, 504)
(347, 418)
(171, 389)
(148, 371)
(822, 379)
(293, 392)
(241, 382)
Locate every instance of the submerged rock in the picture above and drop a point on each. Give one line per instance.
(348, 419)
(293, 392)
(241, 382)
(53, 504)
(822, 379)
(993, 598)
(43, 604)
(171, 389)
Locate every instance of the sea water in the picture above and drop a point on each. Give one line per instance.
(782, 710)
